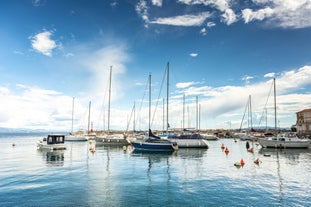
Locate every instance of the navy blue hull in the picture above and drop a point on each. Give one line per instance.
(149, 146)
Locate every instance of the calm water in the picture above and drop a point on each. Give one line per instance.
(113, 177)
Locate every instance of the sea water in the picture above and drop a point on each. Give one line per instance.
(113, 176)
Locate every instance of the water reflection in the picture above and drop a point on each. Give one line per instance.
(53, 158)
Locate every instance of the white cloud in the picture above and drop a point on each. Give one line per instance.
(249, 15)
(281, 13)
(43, 43)
(247, 79)
(183, 20)
(210, 24)
(157, 2)
(269, 75)
(229, 17)
(203, 31)
(193, 54)
(185, 84)
(142, 10)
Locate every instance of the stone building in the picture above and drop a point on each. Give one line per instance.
(303, 123)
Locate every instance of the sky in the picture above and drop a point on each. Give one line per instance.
(219, 52)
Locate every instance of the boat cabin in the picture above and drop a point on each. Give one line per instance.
(55, 139)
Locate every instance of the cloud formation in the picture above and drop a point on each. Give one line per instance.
(183, 20)
(275, 13)
(43, 43)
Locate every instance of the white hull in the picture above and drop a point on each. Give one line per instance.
(294, 143)
(76, 138)
(43, 146)
(190, 143)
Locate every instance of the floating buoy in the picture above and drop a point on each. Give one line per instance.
(237, 164)
(247, 145)
(13, 144)
(250, 150)
(226, 150)
(124, 148)
(90, 142)
(222, 146)
(92, 149)
(242, 162)
(235, 140)
(256, 161)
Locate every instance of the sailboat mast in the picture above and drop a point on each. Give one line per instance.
(196, 120)
(275, 127)
(149, 99)
(183, 113)
(73, 108)
(109, 99)
(89, 119)
(167, 95)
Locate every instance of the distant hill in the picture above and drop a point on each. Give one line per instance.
(23, 130)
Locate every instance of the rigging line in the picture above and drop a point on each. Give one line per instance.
(129, 121)
(246, 106)
(102, 112)
(157, 103)
(263, 111)
(142, 100)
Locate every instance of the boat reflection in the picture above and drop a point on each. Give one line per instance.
(54, 158)
(192, 153)
(290, 154)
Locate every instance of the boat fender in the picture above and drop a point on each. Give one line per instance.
(250, 150)
(242, 162)
(247, 145)
(257, 161)
(226, 150)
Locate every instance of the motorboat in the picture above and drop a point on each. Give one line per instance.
(286, 140)
(52, 142)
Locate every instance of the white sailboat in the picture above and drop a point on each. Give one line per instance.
(287, 140)
(111, 139)
(73, 136)
(183, 140)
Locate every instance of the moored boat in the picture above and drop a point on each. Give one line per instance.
(154, 143)
(52, 142)
(286, 140)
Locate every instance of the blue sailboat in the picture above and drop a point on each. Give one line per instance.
(154, 143)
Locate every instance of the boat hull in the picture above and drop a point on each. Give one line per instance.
(44, 146)
(190, 143)
(146, 146)
(76, 138)
(267, 143)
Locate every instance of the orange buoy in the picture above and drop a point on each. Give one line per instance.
(226, 150)
(242, 162)
(256, 161)
(250, 150)
(222, 146)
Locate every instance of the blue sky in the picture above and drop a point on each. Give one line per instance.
(220, 51)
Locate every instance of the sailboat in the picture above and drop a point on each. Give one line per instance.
(111, 139)
(153, 143)
(72, 136)
(286, 140)
(193, 140)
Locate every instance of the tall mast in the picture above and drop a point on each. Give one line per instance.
(167, 95)
(109, 99)
(89, 118)
(73, 108)
(275, 127)
(149, 99)
(196, 123)
(163, 125)
(183, 113)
